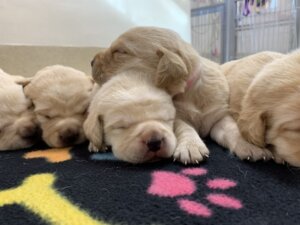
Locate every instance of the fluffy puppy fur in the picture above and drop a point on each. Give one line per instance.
(240, 73)
(18, 125)
(269, 114)
(61, 96)
(199, 87)
(135, 118)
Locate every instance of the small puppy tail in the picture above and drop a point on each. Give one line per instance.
(171, 73)
(93, 129)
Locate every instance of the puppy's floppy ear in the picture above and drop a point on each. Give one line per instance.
(171, 73)
(30, 90)
(22, 80)
(93, 129)
(252, 125)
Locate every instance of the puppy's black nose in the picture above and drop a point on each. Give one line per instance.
(154, 145)
(69, 137)
(29, 132)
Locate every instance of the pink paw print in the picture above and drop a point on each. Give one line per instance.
(179, 185)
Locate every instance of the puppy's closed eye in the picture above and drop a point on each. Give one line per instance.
(121, 127)
(46, 117)
(119, 51)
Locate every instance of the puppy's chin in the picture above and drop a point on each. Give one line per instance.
(15, 143)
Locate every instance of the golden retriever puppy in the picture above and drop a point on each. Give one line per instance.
(18, 125)
(269, 114)
(135, 118)
(240, 73)
(199, 88)
(61, 96)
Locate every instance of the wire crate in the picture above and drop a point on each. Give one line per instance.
(225, 30)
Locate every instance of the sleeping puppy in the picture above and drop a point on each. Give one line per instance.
(200, 89)
(269, 114)
(132, 116)
(18, 125)
(61, 96)
(240, 73)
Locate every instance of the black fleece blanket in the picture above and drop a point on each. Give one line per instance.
(70, 186)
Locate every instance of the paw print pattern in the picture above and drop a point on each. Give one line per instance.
(180, 186)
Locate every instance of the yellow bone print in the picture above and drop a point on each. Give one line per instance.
(38, 195)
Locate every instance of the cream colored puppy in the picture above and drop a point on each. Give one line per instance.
(61, 96)
(18, 125)
(199, 87)
(240, 74)
(132, 116)
(269, 114)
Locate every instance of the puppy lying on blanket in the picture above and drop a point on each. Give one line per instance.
(199, 88)
(61, 96)
(132, 116)
(269, 107)
(18, 125)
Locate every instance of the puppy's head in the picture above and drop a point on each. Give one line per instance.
(283, 132)
(61, 96)
(138, 124)
(18, 125)
(158, 52)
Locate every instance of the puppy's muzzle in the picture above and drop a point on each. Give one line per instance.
(154, 144)
(69, 136)
(30, 132)
(153, 140)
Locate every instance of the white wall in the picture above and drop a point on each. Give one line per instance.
(86, 22)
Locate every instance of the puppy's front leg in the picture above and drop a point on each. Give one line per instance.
(190, 148)
(226, 133)
(93, 128)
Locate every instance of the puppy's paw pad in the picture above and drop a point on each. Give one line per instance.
(247, 151)
(191, 153)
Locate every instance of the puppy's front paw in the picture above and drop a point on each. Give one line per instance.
(278, 159)
(93, 148)
(250, 152)
(191, 151)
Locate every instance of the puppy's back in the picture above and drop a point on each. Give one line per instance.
(240, 73)
(272, 103)
(5, 79)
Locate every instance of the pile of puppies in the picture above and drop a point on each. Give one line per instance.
(154, 97)
(54, 101)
